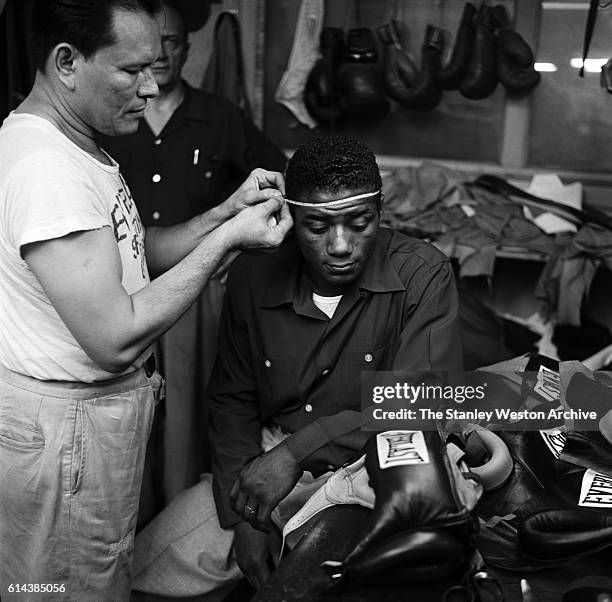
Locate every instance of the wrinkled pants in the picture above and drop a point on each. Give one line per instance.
(71, 461)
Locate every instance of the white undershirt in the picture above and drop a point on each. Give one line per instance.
(327, 305)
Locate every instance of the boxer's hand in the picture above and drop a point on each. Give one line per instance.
(262, 484)
(256, 553)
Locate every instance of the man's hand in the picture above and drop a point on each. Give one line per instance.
(256, 553)
(263, 483)
(258, 187)
(263, 225)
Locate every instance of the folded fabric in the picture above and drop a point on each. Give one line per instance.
(348, 485)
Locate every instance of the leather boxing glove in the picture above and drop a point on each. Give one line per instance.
(399, 69)
(514, 56)
(451, 74)
(319, 93)
(481, 78)
(422, 526)
(424, 94)
(359, 81)
(564, 534)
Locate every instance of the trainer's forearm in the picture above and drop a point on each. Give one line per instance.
(165, 247)
(156, 307)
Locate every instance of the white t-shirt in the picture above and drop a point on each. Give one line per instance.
(50, 187)
(327, 305)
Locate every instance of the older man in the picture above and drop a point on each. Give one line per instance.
(299, 326)
(78, 314)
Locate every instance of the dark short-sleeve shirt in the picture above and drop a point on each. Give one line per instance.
(281, 360)
(200, 157)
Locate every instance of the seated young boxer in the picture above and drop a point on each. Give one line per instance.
(340, 296)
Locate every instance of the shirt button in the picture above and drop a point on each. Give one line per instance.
(325, 372)
(157, 142)
(368, 357)
(156, 215)
(156, 178)
(268, 363)
(308, 407)
(208, 174)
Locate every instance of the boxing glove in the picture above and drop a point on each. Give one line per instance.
(450, 75)
(515, 60)
(480, 80)
(563, 534)
(359, 82)
(399, 70)
(422, 526)
(424, 94)
(319, 93)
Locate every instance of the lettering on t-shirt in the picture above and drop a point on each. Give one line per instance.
(127, 225)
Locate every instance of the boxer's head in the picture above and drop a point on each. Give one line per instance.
(333, 188)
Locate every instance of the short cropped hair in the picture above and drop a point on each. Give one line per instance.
(87, 24)
(331, 164)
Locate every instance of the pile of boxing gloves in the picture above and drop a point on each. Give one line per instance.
(349, 80)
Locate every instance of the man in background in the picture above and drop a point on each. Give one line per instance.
(191, 150)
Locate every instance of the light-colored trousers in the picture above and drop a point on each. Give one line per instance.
(71, 461)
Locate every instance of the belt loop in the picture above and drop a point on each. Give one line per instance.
(150, 365)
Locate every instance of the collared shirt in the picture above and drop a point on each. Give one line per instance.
(200, 157)
(282, 360)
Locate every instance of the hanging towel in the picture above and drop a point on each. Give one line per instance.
(304, 55)
(224, 75)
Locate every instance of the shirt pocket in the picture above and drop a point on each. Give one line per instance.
(276, 381)
(361, 360)
(202, 178)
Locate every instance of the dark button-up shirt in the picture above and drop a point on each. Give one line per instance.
(200, 157)
(282, 360)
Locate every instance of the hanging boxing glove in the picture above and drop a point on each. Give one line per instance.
(399, 69)
(451, 74)
(359, 82)
(514, 56)
(319, 93)
(424, 94)
(481, 78)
